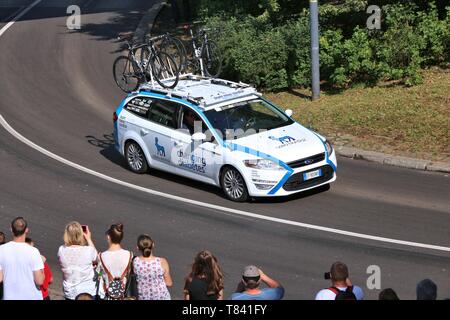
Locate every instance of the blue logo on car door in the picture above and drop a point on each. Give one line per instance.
(159, 149)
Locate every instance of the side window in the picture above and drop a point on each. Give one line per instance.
(191, 121)
(164, 113)
(139, 106)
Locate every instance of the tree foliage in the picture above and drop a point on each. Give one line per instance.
(267, 42)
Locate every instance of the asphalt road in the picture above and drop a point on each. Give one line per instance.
(57, 90)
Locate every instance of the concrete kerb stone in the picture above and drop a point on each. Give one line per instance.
(399, 161)
(407, 162)
(439, 166)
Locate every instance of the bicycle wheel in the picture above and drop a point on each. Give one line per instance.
(164, 70)
(212, 59)
(125, 75)
(174, 47)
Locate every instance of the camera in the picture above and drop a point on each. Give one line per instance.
(327, 275)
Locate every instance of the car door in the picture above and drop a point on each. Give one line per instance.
(196, 159)
(162, 117)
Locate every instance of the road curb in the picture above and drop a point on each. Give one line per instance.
(388, 159)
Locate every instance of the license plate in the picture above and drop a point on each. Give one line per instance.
(312, 174)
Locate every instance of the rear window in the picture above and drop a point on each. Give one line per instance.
(160, 111)
(139, 106)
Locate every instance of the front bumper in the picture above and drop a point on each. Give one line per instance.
(283, 183)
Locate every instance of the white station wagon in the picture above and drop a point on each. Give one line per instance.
(221, 133)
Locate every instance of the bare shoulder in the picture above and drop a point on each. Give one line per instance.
(164, 262)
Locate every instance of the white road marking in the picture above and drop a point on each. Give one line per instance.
(9, 24)
(12, 14)
(18, 136)
(212, 206)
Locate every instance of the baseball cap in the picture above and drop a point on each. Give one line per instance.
(426, 290)
(251, 272)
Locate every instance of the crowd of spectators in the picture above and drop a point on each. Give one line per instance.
(117, 274)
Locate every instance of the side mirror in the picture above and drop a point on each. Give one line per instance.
(198, 136)
(288, 112)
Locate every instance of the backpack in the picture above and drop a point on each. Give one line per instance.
(343, 295)
(116, 289)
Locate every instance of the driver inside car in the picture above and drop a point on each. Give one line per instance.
(189, 118)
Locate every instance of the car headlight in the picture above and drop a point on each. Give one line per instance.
(329, 147)
(263, 164)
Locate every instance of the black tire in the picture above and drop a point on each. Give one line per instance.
(135, 157)
(174, 47)
(164, 70)
(233, 185)
(125, 75)
(212, 59)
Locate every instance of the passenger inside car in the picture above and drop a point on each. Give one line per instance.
(188, 121)
(192, 122)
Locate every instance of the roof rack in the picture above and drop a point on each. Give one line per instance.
(206, 100)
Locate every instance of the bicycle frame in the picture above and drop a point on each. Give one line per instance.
(136, 64)
(198, 51)
(142, 65)
(150, 44)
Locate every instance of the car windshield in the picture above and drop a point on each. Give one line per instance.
(246, 118)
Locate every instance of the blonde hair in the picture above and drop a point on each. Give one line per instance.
(73, 234)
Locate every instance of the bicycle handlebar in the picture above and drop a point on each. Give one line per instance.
(155, 38)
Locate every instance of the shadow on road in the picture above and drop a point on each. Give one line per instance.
(297, 196)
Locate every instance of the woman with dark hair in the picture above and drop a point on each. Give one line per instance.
(205, 282)
(114, 263)
(152, 273)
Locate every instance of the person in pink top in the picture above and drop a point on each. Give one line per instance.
(152, 273)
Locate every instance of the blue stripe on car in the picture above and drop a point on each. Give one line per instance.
(236, 147)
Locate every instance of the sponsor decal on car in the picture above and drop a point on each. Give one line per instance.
(191, 162)
(286, 141)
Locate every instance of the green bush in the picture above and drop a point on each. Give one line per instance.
(435, 34)
(272, 55)
(297, 39)
(254, 53)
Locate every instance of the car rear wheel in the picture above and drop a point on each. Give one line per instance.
(233, 185)
(135, 158)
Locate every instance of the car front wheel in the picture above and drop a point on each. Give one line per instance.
(135, 158)
(233, 185)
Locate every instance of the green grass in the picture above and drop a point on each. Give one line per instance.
(409, 121)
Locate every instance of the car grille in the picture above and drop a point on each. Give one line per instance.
(295, 182)
(307, 161)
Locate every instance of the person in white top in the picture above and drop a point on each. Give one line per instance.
(115, 261)
(21, 266)
(341, 285)
(78, 258)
